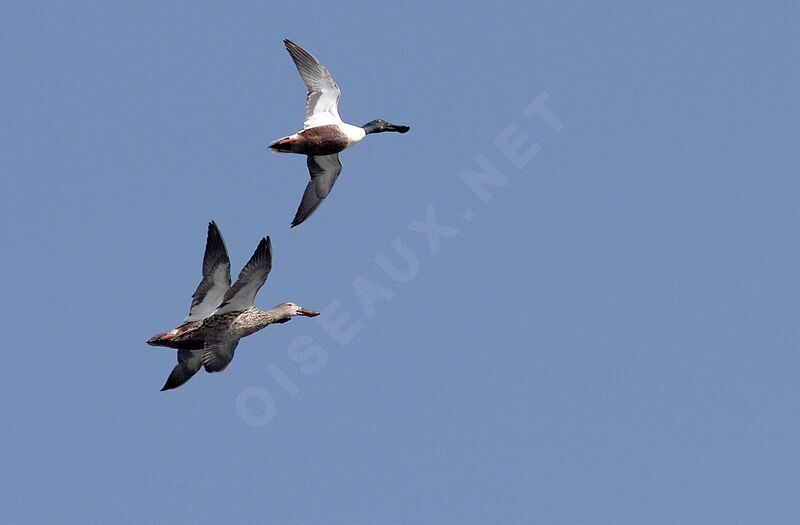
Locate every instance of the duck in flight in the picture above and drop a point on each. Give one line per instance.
(222, 314)
(324, 134)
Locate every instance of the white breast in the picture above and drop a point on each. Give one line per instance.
(354, 133)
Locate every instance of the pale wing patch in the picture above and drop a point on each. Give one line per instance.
(322, 100)
(216, 277)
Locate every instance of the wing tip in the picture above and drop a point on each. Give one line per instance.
(215, 251)
(269, 248)
(291, 45)
(213, 231)
(175, 379)
(264, 251)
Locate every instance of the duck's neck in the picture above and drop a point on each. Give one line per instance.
(253, 320)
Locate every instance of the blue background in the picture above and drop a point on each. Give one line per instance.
(610, 339)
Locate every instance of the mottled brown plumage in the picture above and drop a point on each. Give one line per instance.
(211, 341)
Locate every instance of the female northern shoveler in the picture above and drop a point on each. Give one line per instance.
(222, 314)
(324, 134)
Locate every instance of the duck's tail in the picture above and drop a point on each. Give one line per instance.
(162, 339)
(284, 145)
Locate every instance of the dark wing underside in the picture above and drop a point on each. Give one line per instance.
(242, 294)
(324, 170)
(218, 355)
(189, 362)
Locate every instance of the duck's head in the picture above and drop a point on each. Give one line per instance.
(289, 310)
(380, 125)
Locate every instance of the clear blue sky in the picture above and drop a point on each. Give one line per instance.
(606, 334)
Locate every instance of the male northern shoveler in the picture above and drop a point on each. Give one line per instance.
(324, 134)
(222, 314)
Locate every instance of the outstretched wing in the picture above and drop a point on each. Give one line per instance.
(216, 276)
(242, 294)
(218, 354)
(189, 362)
(324, 170)
(322, 101)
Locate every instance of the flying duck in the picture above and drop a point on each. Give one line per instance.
(222, 314)
(324, 134)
